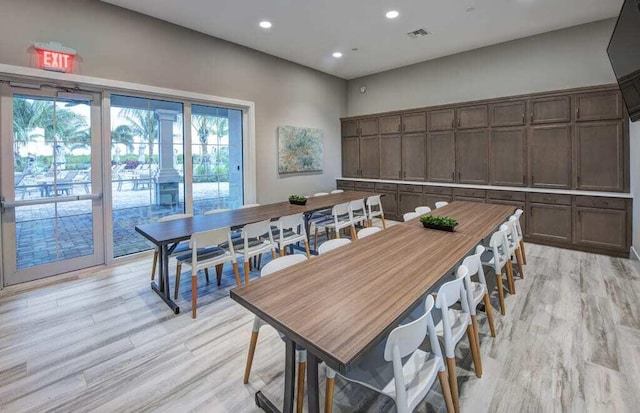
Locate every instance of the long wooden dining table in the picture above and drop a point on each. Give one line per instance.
(167, 235)
(341, 304)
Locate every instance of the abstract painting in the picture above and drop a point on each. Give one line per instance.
(299, 149)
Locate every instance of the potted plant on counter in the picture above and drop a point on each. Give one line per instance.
(439, 223)
(298, 200)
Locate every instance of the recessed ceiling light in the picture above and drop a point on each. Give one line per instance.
(471, 9)
(265, 24)
(392, 14)
(337, 55)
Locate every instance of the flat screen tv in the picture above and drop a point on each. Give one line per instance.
(624, 53)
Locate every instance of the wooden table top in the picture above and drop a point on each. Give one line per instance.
(474, 219)
(181, 229)
(341, 303)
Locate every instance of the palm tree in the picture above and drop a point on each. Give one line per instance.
(28, 115)
(204, 126)
(122, 134)
(144, 124)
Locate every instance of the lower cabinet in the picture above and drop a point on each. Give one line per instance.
(602, 222)
(408, 202)
(389, 199)
(345, 185)
(515, 199)
(549, 222)
(470, 195)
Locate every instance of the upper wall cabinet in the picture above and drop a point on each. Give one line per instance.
(473, 117)
(508, 154)
(351, 157)
(441, 120)
(551, 110)
(369, 127)
(441, 156)
(414, 122)
(600, 156)
(390, 125)
(509, 113)
(370, 157)
(550, 156)
(472, 154)
(598, 106)
(391, 159)
(414, 157)
(350, 128)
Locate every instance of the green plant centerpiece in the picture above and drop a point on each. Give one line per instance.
(439, 223)
(298, 200)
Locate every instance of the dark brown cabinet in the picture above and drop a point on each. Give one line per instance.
(390, 125)
(414, 157)
(598, 106)
(369, 157)
(509, 113)
(549, 222)
(414, 122)
(389, 199)
(508, 157)
(409, 198)
(350, 128)
(550, 156)
(473, 117)
(550, 110)
(391, 157)
(369, 127)
(351, 157)
(600, 156)
(511, 198)
(441, 157)
(601, 228)
(469, 195)
(345, 185)
(433, 194)
(439, 120)
(472, 155)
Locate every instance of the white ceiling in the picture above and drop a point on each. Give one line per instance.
(309, 31)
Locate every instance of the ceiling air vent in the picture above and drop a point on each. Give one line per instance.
(416, 34)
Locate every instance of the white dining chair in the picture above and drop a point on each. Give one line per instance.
(359, 212)
(365, 232)
(301, 354)
(180, 249)
(341, 218)
(337, 191)
(453, 326)
(400, 370)
(248, 206)
(409, 216)
(422, 210)
(477, 292)
(518, 214)
(257, 239)
(374, 207)
(216, 211)
(332, 245)
(321, 194)
(514, 244)
(441, 204)
(290, 230)
(206, 253)
(499, 261)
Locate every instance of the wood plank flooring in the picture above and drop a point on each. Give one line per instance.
(100, 340)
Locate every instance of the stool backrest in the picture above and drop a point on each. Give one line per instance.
(281, 263)
(423, 210)
(410, 215)
(174, 217)
(365, 232)
(256, 230)
(441, 204)
(499, 247)
(332, 245)
(337, 191)
(321, 194)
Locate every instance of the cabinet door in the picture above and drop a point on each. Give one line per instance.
(598, 106)
(390, 157)
(408, 202)
(549, 222)
(603, 228)
(390, 204)
(472, 156)
(431, 199)
(473, 117)
(470, 199)
(350, 128)
(441, 157)
(508, 154)
(390, 125)
(414, 157)
(551, 110)
(414, 122)
(600, 156)
(441, 120)
(350, 157)
(368, 127)
(509, 113)
(631, 90)
(515, 205)
(370, 157)
(550, 156)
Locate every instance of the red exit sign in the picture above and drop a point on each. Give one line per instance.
(55, 57)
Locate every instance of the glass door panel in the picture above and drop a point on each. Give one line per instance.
(52, 207)
(217, 158)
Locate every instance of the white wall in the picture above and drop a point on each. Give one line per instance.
(634, 155)
(562, 59)
(114, 43)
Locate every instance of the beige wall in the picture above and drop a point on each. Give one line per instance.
(117, 44)
(563, 59)
(634, 149)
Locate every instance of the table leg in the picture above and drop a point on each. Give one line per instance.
(313, 395)
(162, 288)
(289, 383)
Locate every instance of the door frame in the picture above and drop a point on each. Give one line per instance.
(9, 253)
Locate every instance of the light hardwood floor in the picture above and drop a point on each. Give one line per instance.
(100, 340)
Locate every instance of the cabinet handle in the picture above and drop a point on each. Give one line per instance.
(453, 125)
(524, 179)
(533, 179)
(399, 127)
(459, 176)
(532, 117)
(600, 203)
(523, 119)
(549, 199)
(453, 176)
(577, 113)
(399, 174)
(458, 122)
(578, 180)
